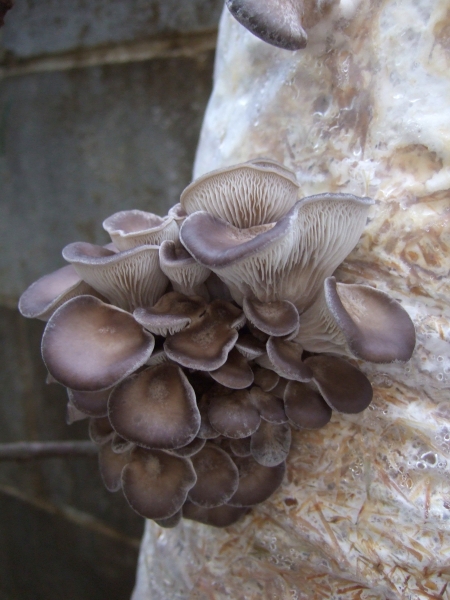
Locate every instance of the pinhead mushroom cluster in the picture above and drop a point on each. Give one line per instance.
(195, 342)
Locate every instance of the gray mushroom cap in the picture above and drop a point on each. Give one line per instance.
(89, 345)
(276, 318)
(111, 465)
(156, 483)
(235, 373)
(343, 387)
(44, 296)
(221, 516)
(172, 313)
(256, 482)
(305, 407)
(184, 272)
(278, 23)
(217, 477)
(94, 404)
(233, 415)
(286, 357)
(270, 407)
(132, 228)
(376, 327)
(100, 430)
(155, 408)
(271, 443)
(170, 521)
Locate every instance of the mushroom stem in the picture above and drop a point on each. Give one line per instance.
(35, 450)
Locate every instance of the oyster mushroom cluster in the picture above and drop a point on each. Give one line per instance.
(196, 341)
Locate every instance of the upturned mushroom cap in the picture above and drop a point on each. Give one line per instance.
(156, 483)
(235, 373)
(277, 318)
(183, 271)
(172, 313)
(217, 477)
(111, 465)
(221, 516)
(205, 344)
(271, 443)
(244, 195)
(286, 357)
(48, 293)
(342, 386)
(277, 22)
(89, 345)
(178, 214)
(256, 482)
(155, 408)
(270, 407)
(128, 279)
(376, 327)
(286, 260)
(94, 404)
(233, 415)
(305, 407)
(132, 228)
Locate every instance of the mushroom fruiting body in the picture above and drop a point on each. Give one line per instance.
(195, 342)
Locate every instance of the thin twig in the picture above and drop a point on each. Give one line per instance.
(33, 450)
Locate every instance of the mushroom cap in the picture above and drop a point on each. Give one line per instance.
(305, 407)
(132, 228)
(217, 477)
(276, 22)
(155, 408)
(94, 404)
(271, 443)
(172, 313)
(241, 446)
(256, 482)
(170, 521)
(270, 407)
(89, 345)
(190, 449)
(233, 415)
(249, 346)
(221, 516)
(266, 379)
(342, 386)
(235, 373)
(100, 430)
(277, 318)
(111, 465)
(128, 279)
(184, 272)
(376, 327)
(44, 296)
(244, 195)
(286, 357)
(73, 414)
(156, 483)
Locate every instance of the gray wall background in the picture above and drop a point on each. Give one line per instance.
(101, 103)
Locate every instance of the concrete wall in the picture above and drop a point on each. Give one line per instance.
(100, 109)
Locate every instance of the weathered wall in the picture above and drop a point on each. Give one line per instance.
(100, 109)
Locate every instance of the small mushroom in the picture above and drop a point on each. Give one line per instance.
(155, 408)
(128, 279)
(235, 373)
(277, 318)
(233, 415)
(266, 379)
(172, 313)
(94, 404)
(89, 345)
(178, 214)
(51, 291)
(376, 327)
(256, 482)
(132, 228)
(286, 356)
(184, 272)
(305, 407)
(217, 477)
(271, 443)
(100, 430)
(111, 465)
(221, 516)
(270, 407)
(249, 346)
(73, 414)
(343, 387)
(170, 521)
(190, 449)
(206, 431)
(241, 446)
(156, 483)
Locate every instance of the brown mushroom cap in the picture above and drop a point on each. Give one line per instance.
(89, 345)
(217, 477)
(156, 483)
(266, 379)
(270, 407)
(190, 449)
(221, 516)
(271, 443)
(94, 404)
(342, 386)
(111, 465)
(244, 195)
(286, 357)
(276, 22)
(249, 346)
(44, 296)
(277, 318)
(233, 415)
(128, 279)
(100, 430)
(235, 373)
(376, 327)
(305, 408)
(170, 521)
(132, 228)
(184, 272)
(206, 431)
(241, 446)
(172, 313)
(155, 408)
(256, 482)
